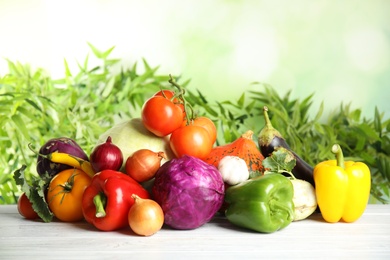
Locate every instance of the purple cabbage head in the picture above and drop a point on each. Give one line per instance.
(189, 191)
(61, 145)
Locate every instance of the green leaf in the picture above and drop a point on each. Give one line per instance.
(33, 104)
(107, 52)
(241, 100)
(20, 125)
(35, 192)
(319, 112)
(108, 88)
(95, 51)
(368, 131)
(67, 69)
(377, 121)
(280, 161)
(27, 113)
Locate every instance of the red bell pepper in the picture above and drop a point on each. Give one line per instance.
(107, 200)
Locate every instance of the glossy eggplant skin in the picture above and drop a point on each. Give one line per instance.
(269, 139)
(63, 145)
(302, 169)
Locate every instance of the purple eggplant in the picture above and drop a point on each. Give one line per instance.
(269, 138)
(62, 145)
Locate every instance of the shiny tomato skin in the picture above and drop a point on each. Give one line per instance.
(161, 116)
(209, 125)
(64, 195)
(192, 140)
(165, 92)
(169, 94)
(25, 208)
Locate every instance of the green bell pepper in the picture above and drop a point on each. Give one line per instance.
(264, 203)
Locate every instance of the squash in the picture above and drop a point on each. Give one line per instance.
(243, 147)
(131, 135)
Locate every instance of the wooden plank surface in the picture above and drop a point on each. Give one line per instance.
(368, 238)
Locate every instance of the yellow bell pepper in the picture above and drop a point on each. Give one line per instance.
(342, 188)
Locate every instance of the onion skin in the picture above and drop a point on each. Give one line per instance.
(145, 217)
(106, 156)
(143, 164)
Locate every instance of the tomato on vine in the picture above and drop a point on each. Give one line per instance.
(161, 116)
(169, 94)
(209, 125)
(190, 135)
(174, 97)
(193, 140)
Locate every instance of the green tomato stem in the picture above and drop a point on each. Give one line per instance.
(187, 107)
(336, 149)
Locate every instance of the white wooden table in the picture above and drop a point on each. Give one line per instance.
(368, 238)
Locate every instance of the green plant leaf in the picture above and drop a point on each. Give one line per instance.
(35, 193)
(20, 125)
(108, 87)
(280, 161)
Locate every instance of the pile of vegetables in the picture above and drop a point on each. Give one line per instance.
(166, 168)
(89, 100)
(161, 144)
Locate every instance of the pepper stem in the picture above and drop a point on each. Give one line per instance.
(100, 201)
(336, 149)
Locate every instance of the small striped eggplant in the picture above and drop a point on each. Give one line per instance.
(269, 138)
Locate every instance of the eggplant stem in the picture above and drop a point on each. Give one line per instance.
(266, 117)
(46, 156)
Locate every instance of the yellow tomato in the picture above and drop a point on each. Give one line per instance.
(65, 193)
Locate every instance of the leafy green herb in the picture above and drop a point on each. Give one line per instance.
(35, 192)
(85, 103)
(280, 161)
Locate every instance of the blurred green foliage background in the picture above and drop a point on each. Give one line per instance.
(305, 59)
(338, 49)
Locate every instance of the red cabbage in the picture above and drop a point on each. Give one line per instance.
(189, 191)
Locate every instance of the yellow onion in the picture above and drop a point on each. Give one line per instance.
(143, 164)
(145, 217)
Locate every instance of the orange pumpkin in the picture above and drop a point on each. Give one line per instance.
(243, 147)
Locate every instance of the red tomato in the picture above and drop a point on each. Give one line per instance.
(169, 94)
(191, 140)
(25, 207)
(161, 116)
(209, 125)
(166, 92)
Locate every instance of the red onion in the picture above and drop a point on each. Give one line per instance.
(106, 156)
